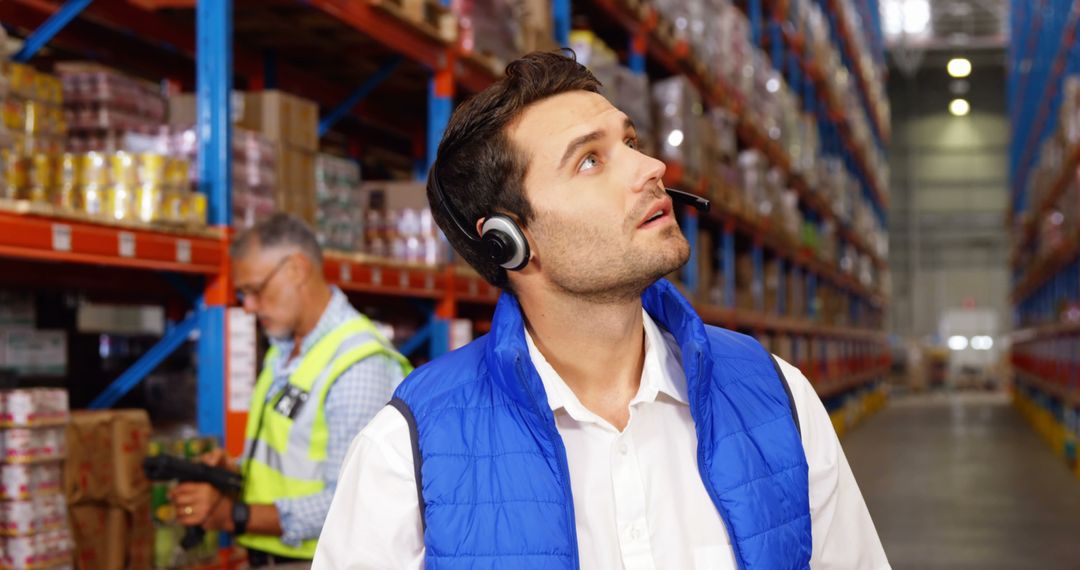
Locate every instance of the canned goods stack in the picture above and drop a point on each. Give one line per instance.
(339, 220)
(34, 530)
(254, 166)
(122, 186)
(167, 532)
(101, 105)
(33, 126)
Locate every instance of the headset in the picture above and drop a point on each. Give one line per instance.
(501, 238)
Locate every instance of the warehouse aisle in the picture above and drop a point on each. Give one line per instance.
(962, 482)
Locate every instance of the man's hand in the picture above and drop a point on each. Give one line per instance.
(220, 459)
(200, 504)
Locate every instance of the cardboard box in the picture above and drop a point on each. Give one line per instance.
(131, 535)
(399, 195)
(744, 280)
(112, 538)
(295, 191)
(705, 267)
(105, 454)
(279, 116)
(772, 286)
(282, 117)
(88, 530)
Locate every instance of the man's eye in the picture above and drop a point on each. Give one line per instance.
(589, 163)
(632, 143)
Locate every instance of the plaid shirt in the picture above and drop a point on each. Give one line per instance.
(354, 398)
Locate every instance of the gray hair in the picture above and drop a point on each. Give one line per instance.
(279, 230)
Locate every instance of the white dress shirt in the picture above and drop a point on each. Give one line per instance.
(639, 501)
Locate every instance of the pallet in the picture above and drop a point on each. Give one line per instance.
(428, 16)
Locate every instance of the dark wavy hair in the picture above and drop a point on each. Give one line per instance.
(480, 170)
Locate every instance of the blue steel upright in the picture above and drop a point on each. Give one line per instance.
(214, 81)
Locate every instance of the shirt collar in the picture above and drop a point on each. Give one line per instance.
(662, 373)
(337, 311)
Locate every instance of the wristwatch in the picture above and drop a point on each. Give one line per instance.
(241, 513)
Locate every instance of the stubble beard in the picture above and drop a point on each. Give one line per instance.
(601, 278)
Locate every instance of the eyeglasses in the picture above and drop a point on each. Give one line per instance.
(256, 290)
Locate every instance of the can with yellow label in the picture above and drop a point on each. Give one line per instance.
(122, 169)
(94, 171)
(149, 200)
(120, 202)
(41, 178)
(196, 210)
(150, 168)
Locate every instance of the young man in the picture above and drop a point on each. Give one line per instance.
(327, 373)
(601, 424)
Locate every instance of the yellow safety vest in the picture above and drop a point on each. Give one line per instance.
(286, 436)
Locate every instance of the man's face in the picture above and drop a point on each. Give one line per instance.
(266, 282)
(603, 228)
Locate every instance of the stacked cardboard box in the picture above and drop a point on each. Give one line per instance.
(340, 218)
(287, 121)
(107, 493)
(292, 124)
(34, 531)
(101, 104)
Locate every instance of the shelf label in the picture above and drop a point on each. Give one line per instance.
(345, 272)
(61, 237)
(376, 275)
(242, 358)
(403, 279)
(127, 244)
(183, 251)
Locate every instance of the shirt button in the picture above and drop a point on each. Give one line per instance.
(635, 534)
(624, 449)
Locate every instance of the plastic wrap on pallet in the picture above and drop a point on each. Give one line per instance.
(490, 27)
(339, 221)
(752, 170)
(678, 112)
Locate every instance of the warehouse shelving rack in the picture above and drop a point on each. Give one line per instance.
(1046, 285)
(832, 379)
(113, 28)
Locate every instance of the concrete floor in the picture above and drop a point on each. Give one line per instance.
(961, 482)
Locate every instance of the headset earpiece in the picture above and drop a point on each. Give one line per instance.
(505, 243)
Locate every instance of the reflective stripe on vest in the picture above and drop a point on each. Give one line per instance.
(287, 452)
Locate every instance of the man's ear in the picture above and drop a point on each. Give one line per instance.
(304, 267)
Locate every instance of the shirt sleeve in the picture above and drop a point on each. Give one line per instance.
(374, 520)
(844, 536)
(353, 400)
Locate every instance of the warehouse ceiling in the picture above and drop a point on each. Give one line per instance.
(928, 32)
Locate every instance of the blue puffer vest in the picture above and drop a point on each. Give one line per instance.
(491, 468)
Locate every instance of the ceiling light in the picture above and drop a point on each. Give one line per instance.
(958, 342)
(959, 107)
(982, 343)
(959, 67)
(906, 17)
(675, 138)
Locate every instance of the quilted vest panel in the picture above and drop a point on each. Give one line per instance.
(492, 474)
